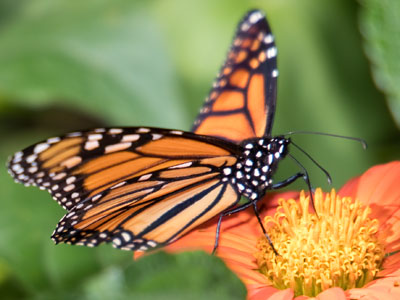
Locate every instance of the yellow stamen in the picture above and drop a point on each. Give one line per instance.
(336, 248)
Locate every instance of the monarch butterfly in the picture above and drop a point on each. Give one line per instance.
(140, 188)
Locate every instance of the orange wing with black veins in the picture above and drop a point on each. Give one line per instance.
(241, 104)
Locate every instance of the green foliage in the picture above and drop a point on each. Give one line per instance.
(96, 56)
(380, 25)
(68, 65)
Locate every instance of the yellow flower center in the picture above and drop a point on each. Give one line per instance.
(336, 248)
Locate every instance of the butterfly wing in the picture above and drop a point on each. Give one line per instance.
(134, 187)
(241, 104)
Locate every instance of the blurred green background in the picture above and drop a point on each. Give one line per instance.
(69, 65)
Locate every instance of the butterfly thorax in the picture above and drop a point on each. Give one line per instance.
(253, 172)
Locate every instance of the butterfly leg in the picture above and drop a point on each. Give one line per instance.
(292, 179)
(289, 180)
(228, 213)
(263, 228)
(236, 210)
(275, 186)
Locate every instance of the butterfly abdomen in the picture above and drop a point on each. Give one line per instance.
(252, 174)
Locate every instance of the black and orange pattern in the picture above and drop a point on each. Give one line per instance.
(140, 188)
(241, 104)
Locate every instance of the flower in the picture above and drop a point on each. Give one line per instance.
(241, 239)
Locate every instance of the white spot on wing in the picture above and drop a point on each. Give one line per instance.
(53, 140)
(31, 158)
(117, 147)
(19, 154)
(90, 145)
(115, 131)
(156, 136)
(227, 171)
(59, 176)
(70, 179)
(69, 188)
(178, 132)
(245, 26)
(151, 244)
(188, 164)
(95, 137)
(254, 17)
(17, 159)
(130, 138)
(271, 52)
(117, 242)
(17, 167)
(40, 147)
(118, 185)
(144, 177)
(126, 236)
(96, 197)
(268, 39)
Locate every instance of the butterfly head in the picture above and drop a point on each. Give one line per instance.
(265, 152)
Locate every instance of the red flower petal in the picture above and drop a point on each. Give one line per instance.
(391, 266)
(332, 294)
(387, 288)
(379, 188)
(279, 295)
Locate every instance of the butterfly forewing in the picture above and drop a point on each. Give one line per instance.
(241, 104)
(124, 182)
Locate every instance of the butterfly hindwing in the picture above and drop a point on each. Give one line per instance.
(145, 213)
(241, 104)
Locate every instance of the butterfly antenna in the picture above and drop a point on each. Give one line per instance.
(361, 141)
(328, 176)
(306, 179)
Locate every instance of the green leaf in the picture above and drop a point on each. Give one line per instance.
(103, 57)
(190, 275)
(380, 25)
